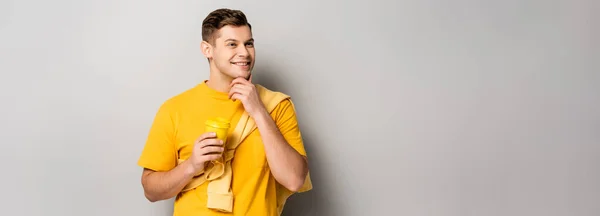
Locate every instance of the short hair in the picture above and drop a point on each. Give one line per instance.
(220, 18)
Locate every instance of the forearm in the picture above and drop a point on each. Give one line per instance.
(164, 185)
(287, 166)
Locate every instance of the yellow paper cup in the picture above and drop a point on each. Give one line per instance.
(220, 126)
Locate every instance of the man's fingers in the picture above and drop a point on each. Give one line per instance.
(237, 89)
(210, 142)
(236, 96)
(211, 150)
(206, 136)
(211, 157)
(242, 86)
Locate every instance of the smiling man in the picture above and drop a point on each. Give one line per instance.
(260, 164)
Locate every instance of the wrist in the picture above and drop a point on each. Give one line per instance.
(190, 170)
(261, 117)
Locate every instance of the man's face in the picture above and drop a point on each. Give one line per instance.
(233, 51)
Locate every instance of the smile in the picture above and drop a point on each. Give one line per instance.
(241, 63)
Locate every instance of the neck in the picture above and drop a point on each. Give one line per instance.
(218, 81)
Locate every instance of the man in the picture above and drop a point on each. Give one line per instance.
(263, 161)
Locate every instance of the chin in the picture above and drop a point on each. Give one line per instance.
(236, 74)
(244, 74)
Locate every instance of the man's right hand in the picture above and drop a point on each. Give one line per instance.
(161, 185)
(206, 148)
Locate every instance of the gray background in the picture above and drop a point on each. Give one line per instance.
(412, 107)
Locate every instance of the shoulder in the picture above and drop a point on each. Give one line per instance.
(178, 100)
(273, 99)
(279, 104)
(266, 92)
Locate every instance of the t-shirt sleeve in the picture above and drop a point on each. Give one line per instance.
(284, 115)
(159, 152)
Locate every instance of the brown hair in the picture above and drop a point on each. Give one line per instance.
(219, 18)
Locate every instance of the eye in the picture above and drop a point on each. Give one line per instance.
(231, 44)
(250, 44)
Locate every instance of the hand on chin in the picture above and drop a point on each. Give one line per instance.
(244, 75)
(242, 89)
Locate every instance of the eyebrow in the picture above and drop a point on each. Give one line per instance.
(234, 40)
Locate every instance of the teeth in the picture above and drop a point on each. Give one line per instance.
(242, 63)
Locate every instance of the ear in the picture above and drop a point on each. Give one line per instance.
(207, 49)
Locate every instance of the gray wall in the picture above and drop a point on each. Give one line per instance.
(447, 108)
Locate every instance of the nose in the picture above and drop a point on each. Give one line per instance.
(242, 51)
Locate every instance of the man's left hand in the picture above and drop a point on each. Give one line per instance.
(245, 91)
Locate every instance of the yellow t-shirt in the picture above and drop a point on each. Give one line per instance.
(180, 121)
